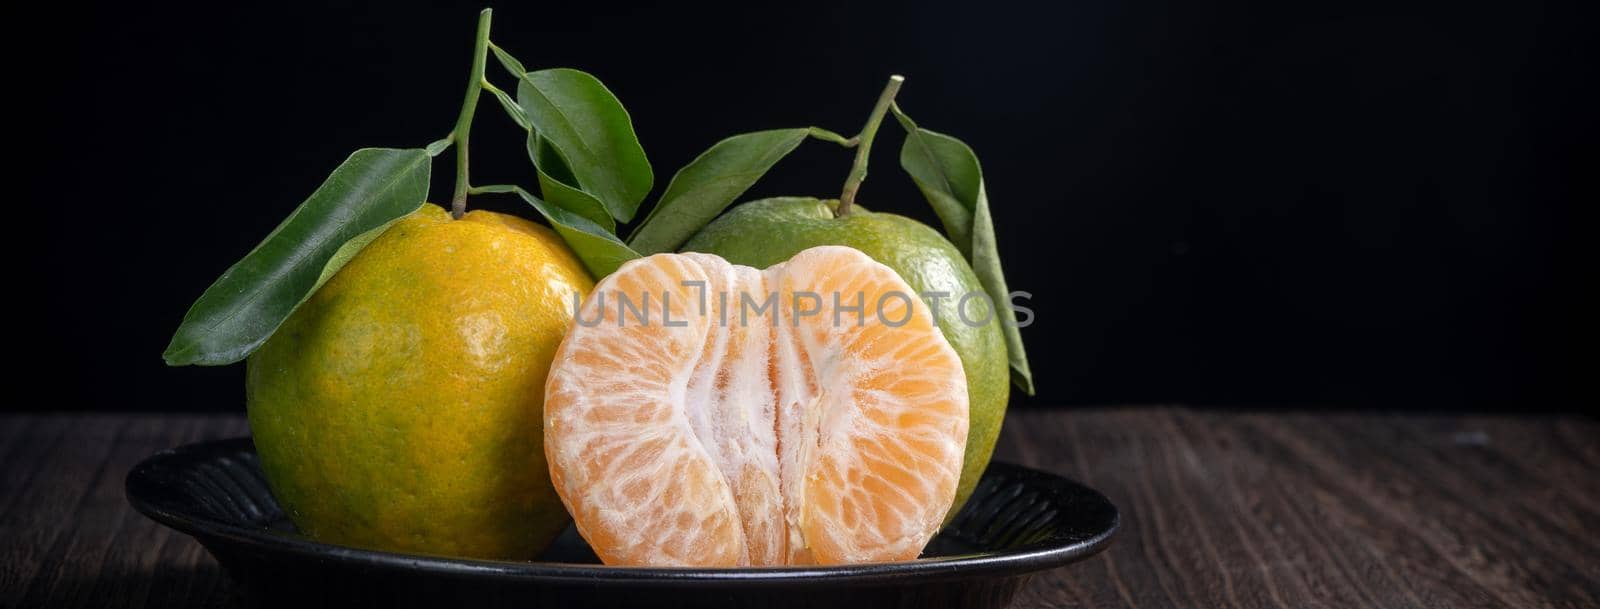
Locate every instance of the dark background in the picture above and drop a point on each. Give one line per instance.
(1257, 204)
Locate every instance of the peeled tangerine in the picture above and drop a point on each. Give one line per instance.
(701, 413)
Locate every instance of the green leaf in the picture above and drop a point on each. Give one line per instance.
(709, 184)
(246, 305)
(556, 184)
(585, 123)
(546, 156)
(439, 145)
(507, 61)
(511, 107)
(947, 172)
(348, 251)
(600, 251)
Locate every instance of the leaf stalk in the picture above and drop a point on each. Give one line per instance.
(858, 172)
(469, 106)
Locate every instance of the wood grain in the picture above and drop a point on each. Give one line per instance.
(1221, 509)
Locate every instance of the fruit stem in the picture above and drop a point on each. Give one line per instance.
(463, 128)
(858, 172)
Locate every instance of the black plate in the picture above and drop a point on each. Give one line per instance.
(1019, 521)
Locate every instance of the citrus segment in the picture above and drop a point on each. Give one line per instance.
(709, 414)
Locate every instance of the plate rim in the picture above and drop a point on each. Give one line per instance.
(1044, 554)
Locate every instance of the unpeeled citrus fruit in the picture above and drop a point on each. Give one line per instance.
(687, 424)
(399, 408)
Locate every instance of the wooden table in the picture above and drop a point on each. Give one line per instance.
(1220, 509)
